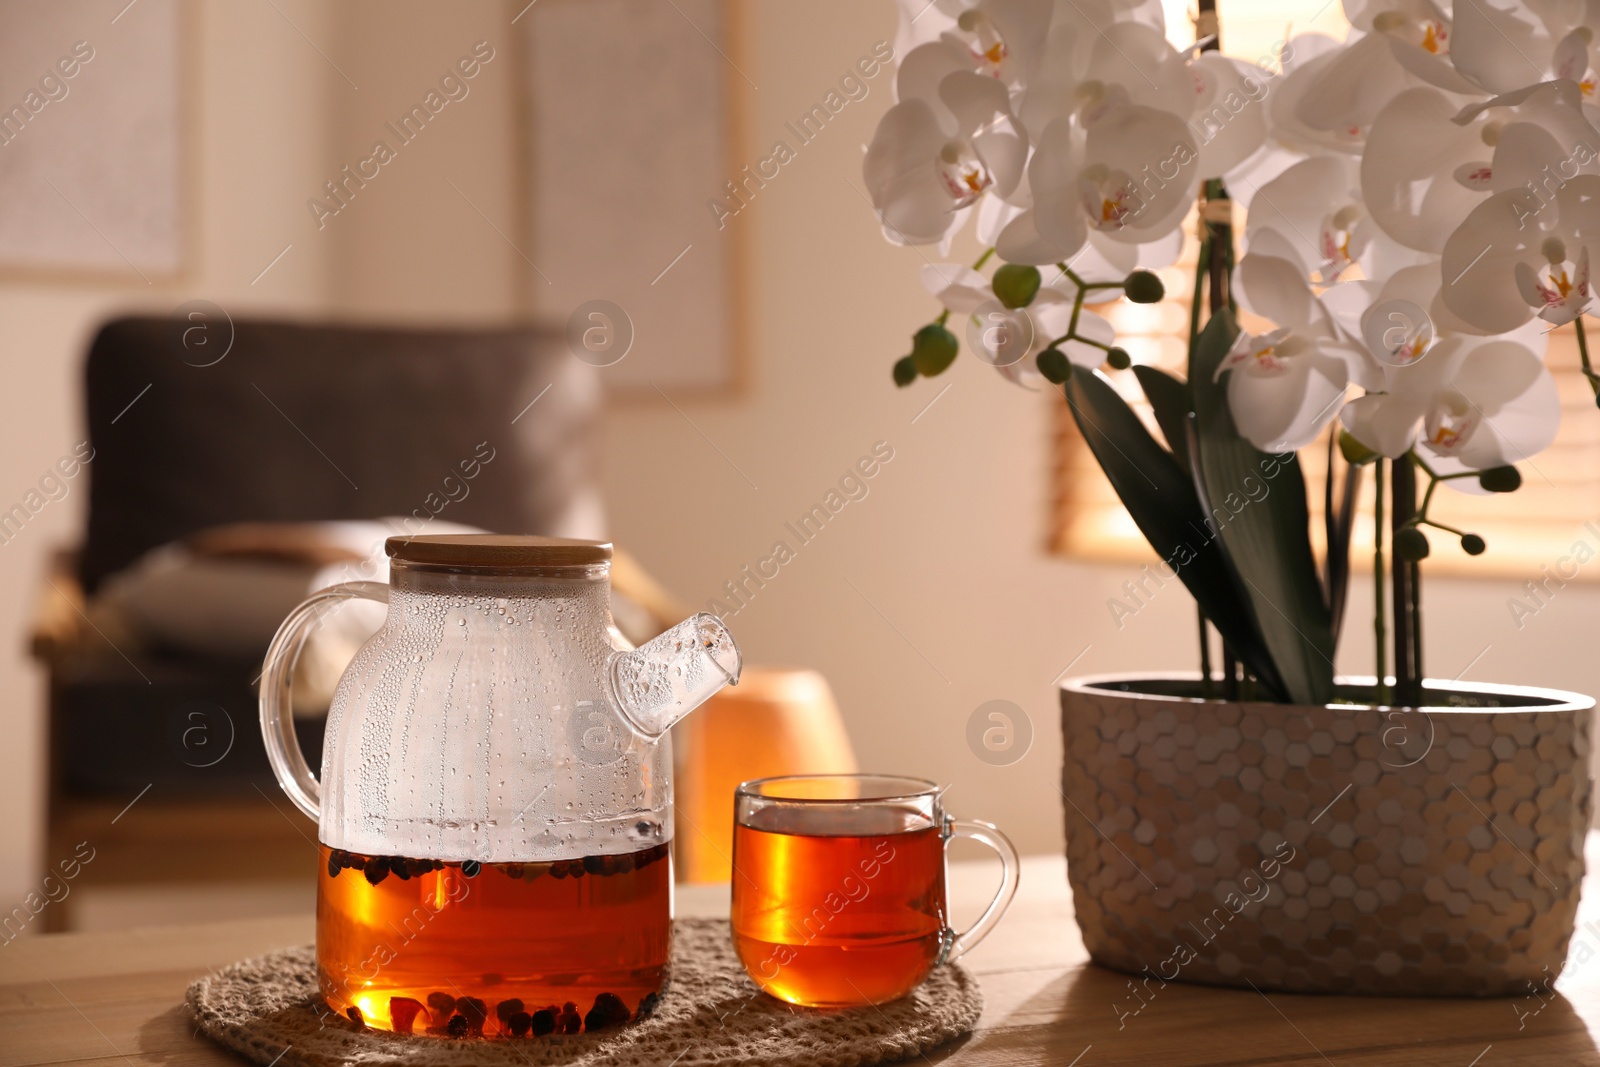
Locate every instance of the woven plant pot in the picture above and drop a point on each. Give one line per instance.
(1337, 849)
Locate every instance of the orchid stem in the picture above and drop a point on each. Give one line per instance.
(1200, 273)
(1427, 497)
(1083, 288)
(983, 259)
(1583, 355)
(1077, 310)
(1379, 631)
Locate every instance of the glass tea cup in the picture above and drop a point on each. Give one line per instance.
(839, 886)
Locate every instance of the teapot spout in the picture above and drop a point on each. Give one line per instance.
(665, 679)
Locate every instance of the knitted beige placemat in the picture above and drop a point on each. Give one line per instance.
(268, 1010)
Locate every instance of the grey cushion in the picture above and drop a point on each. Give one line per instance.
(305, 422)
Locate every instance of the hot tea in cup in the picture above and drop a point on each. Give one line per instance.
(839, 886)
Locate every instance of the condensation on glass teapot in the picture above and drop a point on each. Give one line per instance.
(495, 804)
(498, 716)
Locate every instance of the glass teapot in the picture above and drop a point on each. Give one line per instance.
(495, 805)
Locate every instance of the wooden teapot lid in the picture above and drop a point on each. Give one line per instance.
(497, 550)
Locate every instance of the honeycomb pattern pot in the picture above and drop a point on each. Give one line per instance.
(1336, 849)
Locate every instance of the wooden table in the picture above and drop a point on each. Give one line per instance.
(113, 999)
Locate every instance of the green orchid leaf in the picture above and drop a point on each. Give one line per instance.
(1169, 397)
(1256, 504)
(1161, 498)
(1340, 526)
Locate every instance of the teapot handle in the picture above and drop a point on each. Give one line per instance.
(277, 711)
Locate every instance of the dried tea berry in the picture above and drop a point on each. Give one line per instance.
(470, 868)
(543, 1022)
(608, 1010)
(356, 1017)
(376, 869)
(441, 1005)
(475, 1011)
(569, 1021)
(403, 1013)
(647, 1006)
(334, 866)
(598, 865)
(457, 1026)
(558, 869)
(400, 867)
(624, 862)
(507, 1008)
(519, 1024)
(512, 870)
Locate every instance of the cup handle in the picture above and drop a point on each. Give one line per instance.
(957, 945)
(277, 711)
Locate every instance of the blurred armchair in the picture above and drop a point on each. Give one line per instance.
(155, 750)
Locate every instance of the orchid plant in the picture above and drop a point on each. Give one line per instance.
(1421, 199)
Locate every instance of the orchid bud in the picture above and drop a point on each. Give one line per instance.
(1555, 250)
(1119, 359)
(905, 371)
(933, 349)
(1491, 133)
(1411, 544)
(1500, 479)
(1054, 365)
(1143, 287)
(1472, 544)
(1016, 284)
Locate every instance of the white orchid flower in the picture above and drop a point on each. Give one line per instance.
(1313, 214)
(1501, 46)
(1009, 339)
(1333, 93)
(1229, 121)
(1307, 60)
(1094, 55)
(1000, 39)
(1284, 386)
(1487, 261)
(1429, 162)
(1558, 296)
(1129, 178)
(1471, 402)
(949, 140)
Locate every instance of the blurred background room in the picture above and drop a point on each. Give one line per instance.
(610, 274)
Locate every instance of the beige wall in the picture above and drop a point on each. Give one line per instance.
(919, 602)
(259, 131)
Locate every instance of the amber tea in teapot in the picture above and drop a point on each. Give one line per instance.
(495, 804)
(418, 946)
